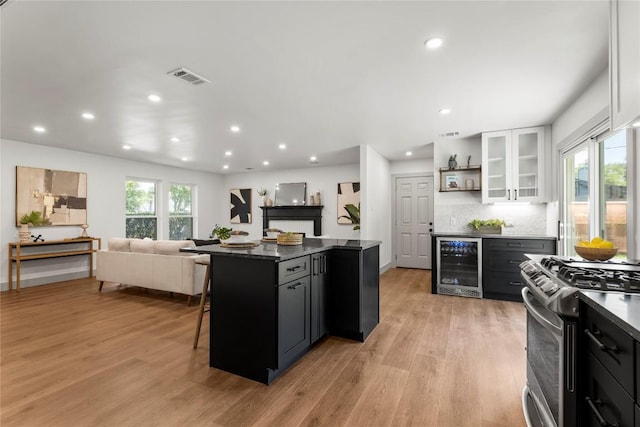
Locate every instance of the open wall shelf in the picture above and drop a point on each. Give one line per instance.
(465, 178)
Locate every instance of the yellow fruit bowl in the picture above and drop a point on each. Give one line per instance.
(596, 254)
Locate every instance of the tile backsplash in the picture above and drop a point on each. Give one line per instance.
(526, 219)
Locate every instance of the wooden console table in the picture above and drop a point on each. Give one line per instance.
(16, 255)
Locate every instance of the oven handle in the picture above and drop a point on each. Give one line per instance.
(537, 315)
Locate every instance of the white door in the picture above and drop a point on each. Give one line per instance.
(414, 221)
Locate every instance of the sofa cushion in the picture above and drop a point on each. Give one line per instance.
(172, 247)
(143, 246)
(119, 244)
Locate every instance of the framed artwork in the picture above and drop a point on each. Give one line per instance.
(59, 196)
(452, 181)
(241, 206)
(349, 203)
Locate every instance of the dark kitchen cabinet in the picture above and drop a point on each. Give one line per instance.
(607, 361)
(501, 258)
(319, 282)
(294, 317)
(637, 416)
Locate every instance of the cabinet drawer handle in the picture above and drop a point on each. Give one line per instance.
(514, 262)
(592, 405)
(294, 268)
(517, 244)
(296, 286)
(598, 343)
(515, 283)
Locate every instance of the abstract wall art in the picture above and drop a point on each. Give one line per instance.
(241, 206)
(60, 196)
(349, 203)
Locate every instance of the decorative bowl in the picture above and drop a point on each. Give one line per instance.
(596, 254)
(272, 233)
(290, 238)
(237, 236)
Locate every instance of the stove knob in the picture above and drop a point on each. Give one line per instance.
(549, 288)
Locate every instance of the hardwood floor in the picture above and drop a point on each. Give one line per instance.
(71, 356)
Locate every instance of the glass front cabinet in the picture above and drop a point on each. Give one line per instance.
(513, 165)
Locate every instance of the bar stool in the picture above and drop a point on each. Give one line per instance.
(203, 299)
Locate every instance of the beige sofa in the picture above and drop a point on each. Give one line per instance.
(153, 264)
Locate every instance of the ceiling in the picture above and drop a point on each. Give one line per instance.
(321, 77)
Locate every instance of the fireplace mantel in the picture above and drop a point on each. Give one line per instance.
(295, 213)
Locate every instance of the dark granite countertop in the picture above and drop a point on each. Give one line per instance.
(492, 236)
(280, 253)
(621, 308)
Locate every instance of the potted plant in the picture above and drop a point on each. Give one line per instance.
(487, 226)
(31, 219)
(354, 215)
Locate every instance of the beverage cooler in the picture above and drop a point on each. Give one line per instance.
(459, 266)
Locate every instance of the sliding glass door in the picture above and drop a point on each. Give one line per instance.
(594, 192)
(576, 197)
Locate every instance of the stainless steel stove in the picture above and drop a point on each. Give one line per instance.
(555, 280)
(551, 300)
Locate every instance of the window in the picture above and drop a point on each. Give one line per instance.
(141, 215)
(595, 192)
(180, 212)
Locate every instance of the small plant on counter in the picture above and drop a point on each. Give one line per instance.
(477, 223)
(222, 233)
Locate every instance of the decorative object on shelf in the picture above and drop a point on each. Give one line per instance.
(240, 206)
(312, 200)
(268, 202)
(289, 238)
(487, 226)
(84, 230)
(263, 193)
(468, 161)
(348, 194)
(60, 196)
(452, 162)
(37, 238)
(452, 181)
(318, 201)
(468, 184)
(34, 219)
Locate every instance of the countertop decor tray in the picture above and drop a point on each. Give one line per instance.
(243, 245)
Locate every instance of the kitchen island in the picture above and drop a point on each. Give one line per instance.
(271, 303)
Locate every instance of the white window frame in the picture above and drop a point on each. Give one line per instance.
(194, 222)
(158, 201)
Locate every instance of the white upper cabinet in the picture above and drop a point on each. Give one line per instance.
(624, 62)
(513, 165)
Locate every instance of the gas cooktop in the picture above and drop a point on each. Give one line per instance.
(555, 280)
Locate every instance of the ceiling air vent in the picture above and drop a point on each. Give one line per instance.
(188, 76)
(449, 134)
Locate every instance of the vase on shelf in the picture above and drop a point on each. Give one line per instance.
(452, 162)
(24, 234)
(268, 202)
(264, 200)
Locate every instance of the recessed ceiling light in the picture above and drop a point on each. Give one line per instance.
(433, 43)
(636, 124)
(39, 129)
(228, 153)
(225, 166)
(184, 159)
(154, 98)
(266, 163)
(408, 153)
(126, 147)
(313, 158)
(444, 110)
(282, 146)
(235, 128)
(88, 116)
(175, 139)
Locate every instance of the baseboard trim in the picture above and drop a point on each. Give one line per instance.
(45, 280)
(386, 267)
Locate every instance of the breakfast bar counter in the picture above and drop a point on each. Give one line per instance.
(271, 303)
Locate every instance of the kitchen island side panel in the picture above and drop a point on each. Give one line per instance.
(243, 328)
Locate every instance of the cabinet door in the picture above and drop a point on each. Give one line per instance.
(605, 399)
(293, 320)
(527, 165)
(625, 62)
(496, 164)
(319, 272)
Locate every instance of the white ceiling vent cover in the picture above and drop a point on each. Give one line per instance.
(449, 134)
(188, 76)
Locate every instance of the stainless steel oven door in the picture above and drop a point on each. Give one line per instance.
(550, 370)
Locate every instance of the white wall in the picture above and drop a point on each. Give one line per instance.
(589, 104)
(105, 202)
(319, 179)
(376, 203)
(421, 166)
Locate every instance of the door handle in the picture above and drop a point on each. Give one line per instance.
(508, 194)
(515, 194)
